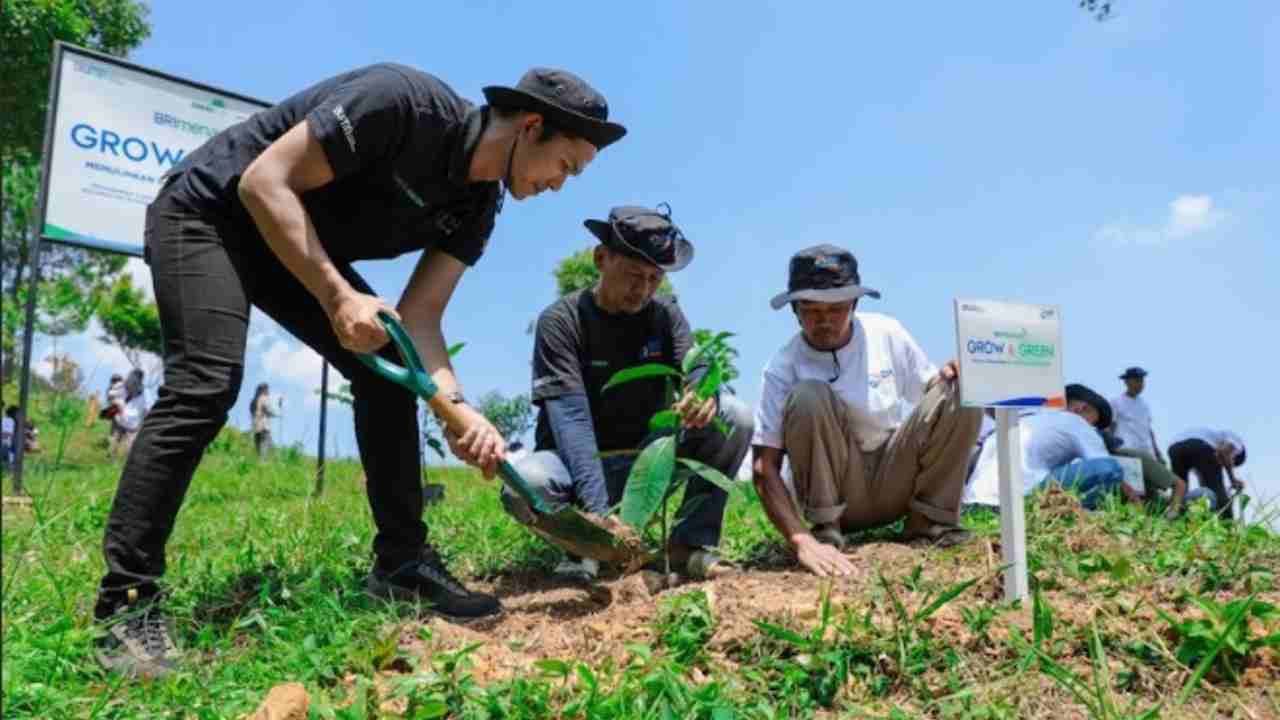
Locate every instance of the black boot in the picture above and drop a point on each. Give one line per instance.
(427, 580)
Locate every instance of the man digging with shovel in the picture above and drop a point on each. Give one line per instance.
(272, 212)
(586, 438)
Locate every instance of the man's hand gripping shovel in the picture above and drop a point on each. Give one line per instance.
(586, 535)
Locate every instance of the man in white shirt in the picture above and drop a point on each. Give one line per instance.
(1209, 452)
(872, 429)
(8, 428)
(1061, 447)
(1133, 417)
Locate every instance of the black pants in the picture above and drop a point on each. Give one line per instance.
(1198, 455)
(206, 274)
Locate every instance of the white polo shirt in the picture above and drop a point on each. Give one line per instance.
(1133, 423)
(1047, 439)
(130, 419)
(881, 371)
(1216, 438)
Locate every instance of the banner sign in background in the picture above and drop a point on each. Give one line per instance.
(117, 128)
(1010, 354)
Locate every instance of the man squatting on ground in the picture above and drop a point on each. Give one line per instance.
(272, 212)
(1209, 452)
(873, 431)
(584, 338)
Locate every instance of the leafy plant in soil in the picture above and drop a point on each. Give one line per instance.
(658, 471)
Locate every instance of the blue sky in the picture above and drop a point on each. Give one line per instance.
(1015, 151)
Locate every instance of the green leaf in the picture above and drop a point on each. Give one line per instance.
(946, 597)
(432, 709)
(665, 420)
(647, 485)
(708, 473)
(692, 357)
(553, 668)
(1203, 668)
(640, 372)
(780, 633)
(455, 349)
(710, 382)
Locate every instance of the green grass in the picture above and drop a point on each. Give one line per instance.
(1134, 617)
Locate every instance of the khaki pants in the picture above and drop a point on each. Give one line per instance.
(920, 467)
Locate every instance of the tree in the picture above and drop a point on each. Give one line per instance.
(72, 277)
(578, 272)
(27, 31)
(131, 321)
(512, 417)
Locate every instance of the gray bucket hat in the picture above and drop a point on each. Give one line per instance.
(644, 233)
(823, 273)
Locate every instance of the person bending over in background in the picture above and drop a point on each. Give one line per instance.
(1209, 452)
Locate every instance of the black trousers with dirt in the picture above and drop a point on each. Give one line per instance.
(207, 273)
(1198, 455)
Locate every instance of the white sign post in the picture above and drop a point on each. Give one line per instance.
(1010, 358)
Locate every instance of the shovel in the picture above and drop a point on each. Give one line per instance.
(591, 536)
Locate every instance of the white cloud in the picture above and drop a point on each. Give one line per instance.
(1189, 216)
(298, 365)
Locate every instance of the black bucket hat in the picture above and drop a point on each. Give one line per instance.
(1134, 372)
(1076, 391)
(565, 101)
(823, 273)
(644, 233)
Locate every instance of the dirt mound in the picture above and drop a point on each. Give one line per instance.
(549, 618)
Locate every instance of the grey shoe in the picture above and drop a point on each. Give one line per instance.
(830, 534)
(138, 640)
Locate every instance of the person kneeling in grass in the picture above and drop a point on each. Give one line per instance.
(586, 437)
(874, 432)
(1058, 447)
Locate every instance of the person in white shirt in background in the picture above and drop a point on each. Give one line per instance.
(8, 428)
(1209, 452)
(1133, 417)
(1061, 447)
(1132, 427)
(127, 422)
(873, 431)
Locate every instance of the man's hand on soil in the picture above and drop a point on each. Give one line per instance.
(822, 559)
(695, 413)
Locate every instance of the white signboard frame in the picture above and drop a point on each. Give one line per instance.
(1010, 358)
(114, 129)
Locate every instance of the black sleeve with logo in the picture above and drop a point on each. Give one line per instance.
(363, 121)
(557, 365)
(579, 348)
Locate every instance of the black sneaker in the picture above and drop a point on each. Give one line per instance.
(137, 640)
(429, 581)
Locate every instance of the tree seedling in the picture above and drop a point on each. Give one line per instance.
(655, 477)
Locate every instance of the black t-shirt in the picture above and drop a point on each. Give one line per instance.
(578, 347)
(400, 143)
